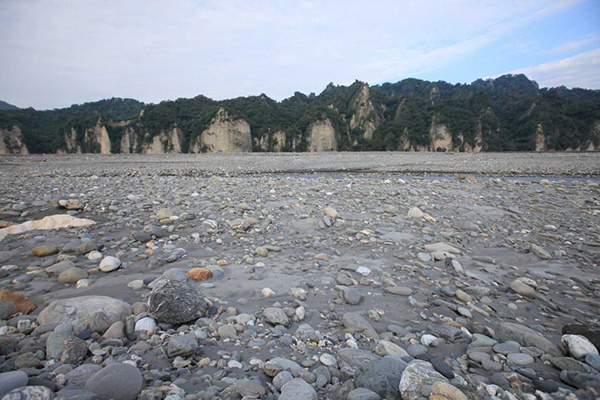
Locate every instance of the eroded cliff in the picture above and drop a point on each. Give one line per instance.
(225, 133)
(11, 141)
(322, 136)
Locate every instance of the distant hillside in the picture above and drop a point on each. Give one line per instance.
(509, 113)
(6, 106)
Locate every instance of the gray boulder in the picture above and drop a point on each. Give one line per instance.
(381, 376)
(297, 389)
(416, 375)
(116, 381)
(12, 380)
(527, 337)
(81, 308)
(176, 302)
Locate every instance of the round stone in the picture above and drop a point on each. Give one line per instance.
(176, 302)
(109, 264)
(72, 275)
(12, 380)
(116, 381)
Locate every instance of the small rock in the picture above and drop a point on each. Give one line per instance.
(44, 251)
(109, 264)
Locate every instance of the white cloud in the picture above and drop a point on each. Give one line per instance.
(582, 70)
(577, 44)
(59, 52)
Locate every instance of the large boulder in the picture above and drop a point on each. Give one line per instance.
(82, 308)
(297, 389)
(12, 380)
(176, 302)
(417, 374)
(508, 331)
(381, 376)
(116, 381)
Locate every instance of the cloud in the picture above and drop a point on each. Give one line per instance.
(575, 45)
(59, 52)
(582, 70)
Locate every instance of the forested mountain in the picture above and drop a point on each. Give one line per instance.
(509, 113)
(6, 106)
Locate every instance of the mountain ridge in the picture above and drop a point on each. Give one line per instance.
(508, 113)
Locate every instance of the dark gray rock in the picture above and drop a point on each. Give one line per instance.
(546, 385)
(182, 345)
(81, 374)
(74, 351)
(381, 376)
(116, 381)
(507, 331)
(441, 367)
(176, 302)
(6, 309)
(12, 380)
(353, 296)
(499, 379)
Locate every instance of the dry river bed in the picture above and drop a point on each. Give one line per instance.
(251, 277)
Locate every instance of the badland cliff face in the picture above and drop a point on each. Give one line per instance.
(509, 113)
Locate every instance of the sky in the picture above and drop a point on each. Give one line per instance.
(61, 52)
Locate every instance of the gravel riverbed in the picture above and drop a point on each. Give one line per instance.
(300, 276)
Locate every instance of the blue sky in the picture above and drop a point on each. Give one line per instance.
(60, 52)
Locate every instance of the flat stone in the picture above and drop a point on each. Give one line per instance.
(506, 348)
(387, 348)
(399, 290)
(60, 267)
(357, 323)
(441, 247)
(355, 358)
(82, 308)
(540, 252)
(508, 331)
(519, 359)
